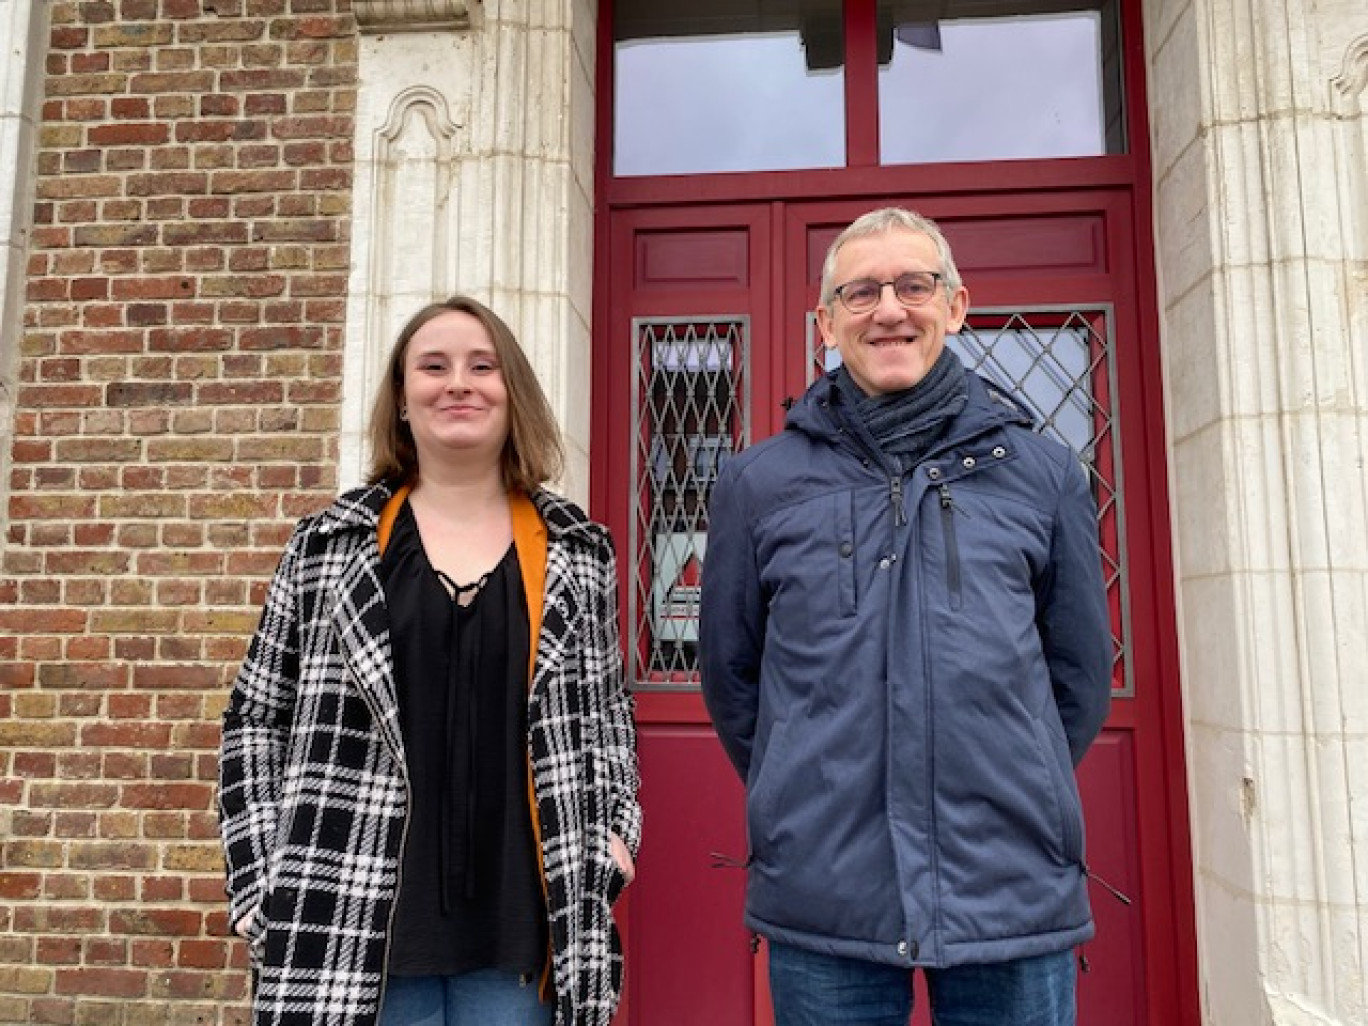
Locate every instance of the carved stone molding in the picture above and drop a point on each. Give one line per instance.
(412, 15)
(1353, 77)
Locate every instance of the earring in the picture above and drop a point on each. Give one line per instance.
(403, 411)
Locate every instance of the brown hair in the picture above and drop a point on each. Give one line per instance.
(532, 453)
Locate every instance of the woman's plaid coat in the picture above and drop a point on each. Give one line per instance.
(312, 777)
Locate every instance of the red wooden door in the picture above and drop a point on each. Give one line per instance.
(693, 288)
(703, 327)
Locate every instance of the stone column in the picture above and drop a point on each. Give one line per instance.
(23, 44)
(474, 174)
(1259, 120)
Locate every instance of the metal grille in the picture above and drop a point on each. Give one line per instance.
(1060, 363)
(690, 411)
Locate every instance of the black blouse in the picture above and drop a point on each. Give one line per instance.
(470, 893)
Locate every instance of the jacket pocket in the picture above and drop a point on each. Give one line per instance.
(1054, 752)
(954, 581)
(764, 792)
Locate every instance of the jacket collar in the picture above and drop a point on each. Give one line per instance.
(562, 517)
(360, 508)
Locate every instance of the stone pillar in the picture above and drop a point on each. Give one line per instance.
(23, 34)
(474, 174)
(1259, 121)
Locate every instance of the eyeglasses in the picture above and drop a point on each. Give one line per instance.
(912, 289)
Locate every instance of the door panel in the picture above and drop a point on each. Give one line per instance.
(685, 916)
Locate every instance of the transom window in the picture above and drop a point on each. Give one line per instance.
(740, 85)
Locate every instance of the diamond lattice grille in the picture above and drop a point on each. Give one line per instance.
(691, 410)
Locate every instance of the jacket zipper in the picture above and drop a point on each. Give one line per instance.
(895, 496)
(952, 562)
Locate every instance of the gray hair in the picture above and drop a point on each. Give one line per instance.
(886, 219)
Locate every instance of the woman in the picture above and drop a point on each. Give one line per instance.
(428, 780)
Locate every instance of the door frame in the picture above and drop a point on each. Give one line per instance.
(1124, 183)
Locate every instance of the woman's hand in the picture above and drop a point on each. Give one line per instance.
(622, 857)
(243, 925)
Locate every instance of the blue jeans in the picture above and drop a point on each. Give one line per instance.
(485, 998)
(810, 989)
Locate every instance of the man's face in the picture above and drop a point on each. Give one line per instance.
(891, 347)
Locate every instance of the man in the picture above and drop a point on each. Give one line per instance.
(905, 651)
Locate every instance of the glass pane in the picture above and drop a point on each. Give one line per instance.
(1001, 88)
(725, 89)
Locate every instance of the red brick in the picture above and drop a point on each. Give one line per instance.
(77, 186)
(86, 63)
(203, 232)
(50, 396)
(130, 133)
(240, 311)
(31, 451)
(41, 290)
(265, 103)
(130, 108)
(257, 286)
(98, 450)
(161, 563)
(98, 676)
(17, 886)
(298, 230)
(115, 235)
(97, 478)
(130, 61)
(249, 259)
(189, 339)
(59, 950)
(73, 795)
(125, 159)
(88, 649)
(81, 162)
(179, 82)
(167, 183)
(205, 259)
(87, 108)
(168, 796)
(203, 954)
(161, 287)
(113, 983)
(69, 37)
(152, 393)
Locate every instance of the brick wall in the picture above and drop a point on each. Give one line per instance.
(177, 409)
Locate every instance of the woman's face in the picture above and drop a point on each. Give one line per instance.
(455, 399)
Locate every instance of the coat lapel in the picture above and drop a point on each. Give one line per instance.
(361, 625)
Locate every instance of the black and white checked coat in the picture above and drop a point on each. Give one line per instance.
(312, 778)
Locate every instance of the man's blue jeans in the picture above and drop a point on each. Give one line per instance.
(484, 998)
(811, 989)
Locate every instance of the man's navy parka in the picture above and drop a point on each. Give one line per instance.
(905, 669)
